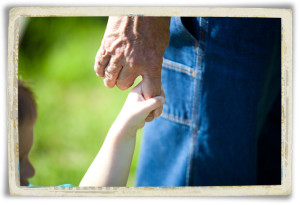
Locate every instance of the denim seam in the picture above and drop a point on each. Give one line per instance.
(178, 67)
(175, 119)
(195, 120)
(191, 153)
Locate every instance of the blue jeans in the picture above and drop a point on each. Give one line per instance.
(221, 77)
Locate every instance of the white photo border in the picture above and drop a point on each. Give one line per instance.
(286, 101)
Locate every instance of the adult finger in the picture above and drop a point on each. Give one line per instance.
(151, 86)
(126, 77)
(112, 70)
(101, 61)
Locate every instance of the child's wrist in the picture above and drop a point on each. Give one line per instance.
(128, 120)
(125, 127)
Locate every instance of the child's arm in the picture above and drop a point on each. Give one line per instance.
(112, 164)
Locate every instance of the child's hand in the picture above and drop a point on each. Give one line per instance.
(136, 108)
(112, 164)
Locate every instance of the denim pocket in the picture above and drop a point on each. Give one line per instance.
(187, 33)
(177, 82)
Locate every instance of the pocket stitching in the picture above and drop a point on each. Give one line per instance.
(178, 67)
(175, 119)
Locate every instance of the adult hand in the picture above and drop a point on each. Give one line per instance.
(134, 46)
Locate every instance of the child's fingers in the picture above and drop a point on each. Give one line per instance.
(154, 103)
(157, 112)
(149, 118)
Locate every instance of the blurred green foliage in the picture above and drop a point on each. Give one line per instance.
(75, 109)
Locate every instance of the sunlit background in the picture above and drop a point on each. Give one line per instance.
(75, 109)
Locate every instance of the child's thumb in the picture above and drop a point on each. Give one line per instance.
(153, 103)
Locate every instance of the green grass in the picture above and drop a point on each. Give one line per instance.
(75, 109)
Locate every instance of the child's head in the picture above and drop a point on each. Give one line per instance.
(27, 111)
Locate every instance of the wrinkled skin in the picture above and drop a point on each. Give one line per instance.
(134, 46)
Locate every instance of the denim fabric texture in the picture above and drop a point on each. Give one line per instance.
(221, 77)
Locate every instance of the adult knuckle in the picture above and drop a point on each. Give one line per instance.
(109, 51)
(113, 69)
